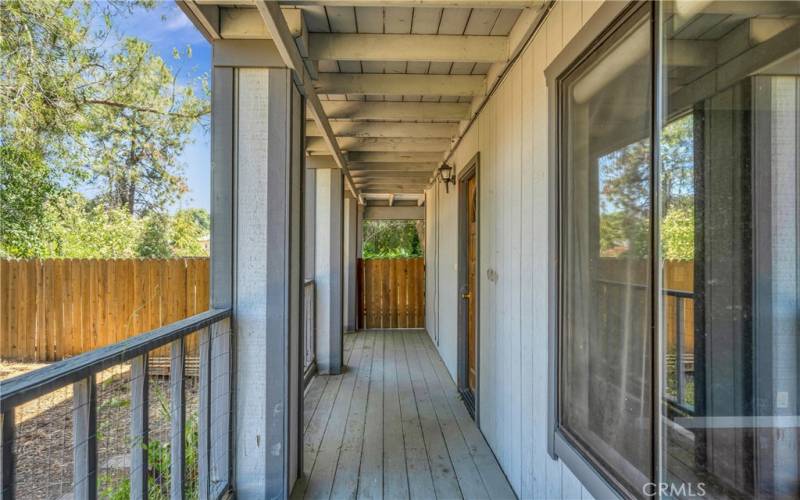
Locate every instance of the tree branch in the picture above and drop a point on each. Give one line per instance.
(114, 104)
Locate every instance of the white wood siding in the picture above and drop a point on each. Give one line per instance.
(511, 136)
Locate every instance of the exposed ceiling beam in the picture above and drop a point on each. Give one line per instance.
(390, 189)
(380, 47)
(399, 111)
(391, 167)
(396, 144)
(389, 173)
(204, 17)
(400, 84)
(394, 157)
(385, 129)
(276, 24)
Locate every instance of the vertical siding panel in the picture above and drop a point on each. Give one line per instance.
(588, 8)
(517, 294)
(555, 42)
(539, 264)
(571, 19)
(526, 328)
(503, 283)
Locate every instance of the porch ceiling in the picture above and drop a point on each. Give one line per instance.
(398, 81)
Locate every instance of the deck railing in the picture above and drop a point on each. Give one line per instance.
(87, 372)
(309, 324)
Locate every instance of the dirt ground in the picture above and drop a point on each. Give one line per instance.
(44, 444)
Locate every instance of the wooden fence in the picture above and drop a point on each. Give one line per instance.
(391, 293)
(55, 308)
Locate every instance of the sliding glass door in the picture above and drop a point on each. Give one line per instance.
(729, 205)
(678, 332)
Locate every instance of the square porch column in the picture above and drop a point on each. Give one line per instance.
(350, 262)
(328, 269)
(257, 127)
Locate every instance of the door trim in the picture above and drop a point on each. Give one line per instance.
(471, 401)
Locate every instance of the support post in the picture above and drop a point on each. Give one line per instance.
(84, 437)
(349, 264)
(328, 269)
(8, 467)
(139, 426)
(178, 418)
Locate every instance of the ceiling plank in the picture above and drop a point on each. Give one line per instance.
(371, 84)
(394, 144)
(393, 157)
(396, 111)
(373, 47)
(385, 129)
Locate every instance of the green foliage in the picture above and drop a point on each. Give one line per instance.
(625, 196)
(677, 234)
(391, 239)
(82, 230)
(154, 242)
(159, 462)
(26, 187)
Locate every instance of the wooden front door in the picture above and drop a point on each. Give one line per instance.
(468, 293)
(471, 295)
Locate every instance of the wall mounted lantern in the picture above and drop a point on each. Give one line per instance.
(446, 176)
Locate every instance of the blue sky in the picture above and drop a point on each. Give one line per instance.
(167, 27)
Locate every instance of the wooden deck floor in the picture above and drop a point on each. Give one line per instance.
(393, 426)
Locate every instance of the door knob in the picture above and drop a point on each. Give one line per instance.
(466, 296)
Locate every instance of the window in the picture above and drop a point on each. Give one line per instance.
(677, 334)
(605, 363)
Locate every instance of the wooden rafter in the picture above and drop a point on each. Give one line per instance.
(276, 25)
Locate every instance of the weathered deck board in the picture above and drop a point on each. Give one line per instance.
(392, 426)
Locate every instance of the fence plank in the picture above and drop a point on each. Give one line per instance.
(54, 308)
(391, 293)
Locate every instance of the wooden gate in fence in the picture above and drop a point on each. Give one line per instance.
(54, 308)
(391, 293)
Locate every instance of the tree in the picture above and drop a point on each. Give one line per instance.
(391, 239)
(118, 120)
(132, 151)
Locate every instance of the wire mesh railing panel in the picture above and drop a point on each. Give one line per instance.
(113, 431)
(147, 417)
(191, 380)
(43, 446)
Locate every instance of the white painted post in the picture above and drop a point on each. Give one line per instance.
(349, 264)
(256, 216)
(328, 269)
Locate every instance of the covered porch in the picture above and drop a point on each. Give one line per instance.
(393, 426)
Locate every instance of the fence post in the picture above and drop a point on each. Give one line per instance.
(84, 438)
(139, 427)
